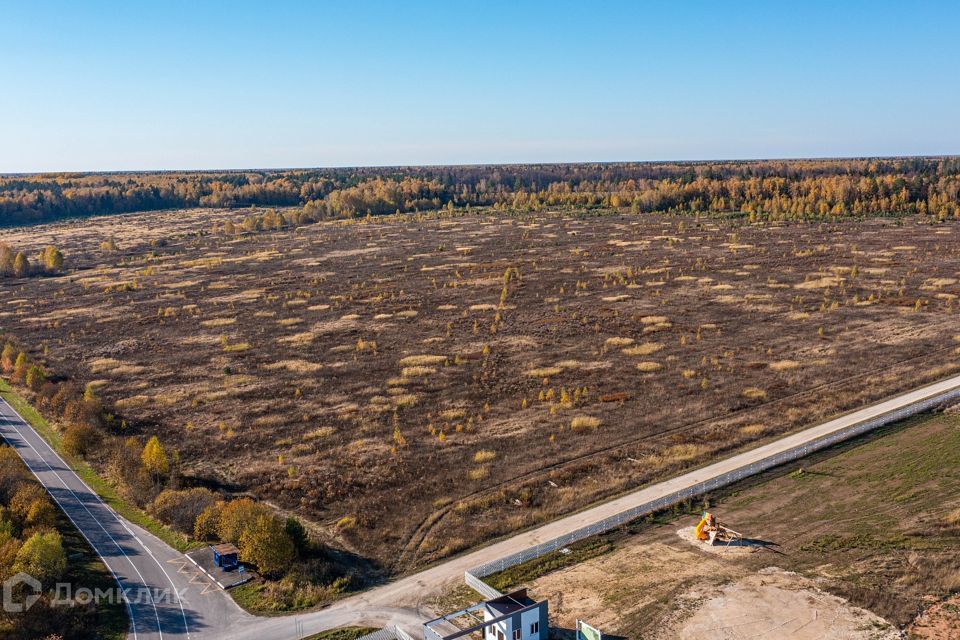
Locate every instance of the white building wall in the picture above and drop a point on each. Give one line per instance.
(527, 619)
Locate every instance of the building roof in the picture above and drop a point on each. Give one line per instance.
(510, 602)
(225, 549)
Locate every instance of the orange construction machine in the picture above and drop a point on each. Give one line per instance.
(710, 530)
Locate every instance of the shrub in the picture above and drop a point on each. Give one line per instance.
(207, 523)
(181, 509)
(297, 534)
(952, 519)
(79, 439)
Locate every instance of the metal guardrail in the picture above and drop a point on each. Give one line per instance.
(472, 576)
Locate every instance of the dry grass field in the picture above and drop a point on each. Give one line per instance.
(414, 385)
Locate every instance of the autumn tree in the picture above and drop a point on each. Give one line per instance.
(265, 543)
(36, 377)
(52, 259)
(31, 507)
(6, 260)
(19, 368)
(207, 524)
(21, 265)
(235, 516)
(154, 459)
(8, 358)
(42, 557)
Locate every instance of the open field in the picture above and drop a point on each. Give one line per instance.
(416, 385)
(860, 540)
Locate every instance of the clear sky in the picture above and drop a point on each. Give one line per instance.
(153, 85)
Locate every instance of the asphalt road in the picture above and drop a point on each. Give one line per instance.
(198, 609)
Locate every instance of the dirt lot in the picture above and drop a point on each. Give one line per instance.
(859, 542)
(415, 385)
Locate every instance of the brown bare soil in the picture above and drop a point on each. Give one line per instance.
(416, 385)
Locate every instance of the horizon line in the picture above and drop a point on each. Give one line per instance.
(691, 161)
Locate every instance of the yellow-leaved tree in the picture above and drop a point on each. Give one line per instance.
(154, 458)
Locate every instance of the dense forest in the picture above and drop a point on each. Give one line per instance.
(775, 189)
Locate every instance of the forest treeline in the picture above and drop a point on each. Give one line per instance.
(775, 189)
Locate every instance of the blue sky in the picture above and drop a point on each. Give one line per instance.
(162, 85)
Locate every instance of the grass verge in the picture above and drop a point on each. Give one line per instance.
(104, 489)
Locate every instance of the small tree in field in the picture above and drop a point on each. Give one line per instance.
(19, 368)
(154, 459)
(6, 259)
(21, 265)
(8, 358)
(52, 259)
(36, 377)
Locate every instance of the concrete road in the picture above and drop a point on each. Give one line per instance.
(203, 611)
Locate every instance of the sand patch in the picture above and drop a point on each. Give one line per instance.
(779, 604)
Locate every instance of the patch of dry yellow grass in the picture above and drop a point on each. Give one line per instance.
(643, 349)
(422, 360)
(484, 455)
(754, 393)
(685, 452)
(648, 366)
(784, 365)
(479, 473)
(617, 342)
(544, 372)
(584, 423)
(294, 366)
(753, 429)
(322, 432)
(300, 339)
(417, 372)
(217, 322)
